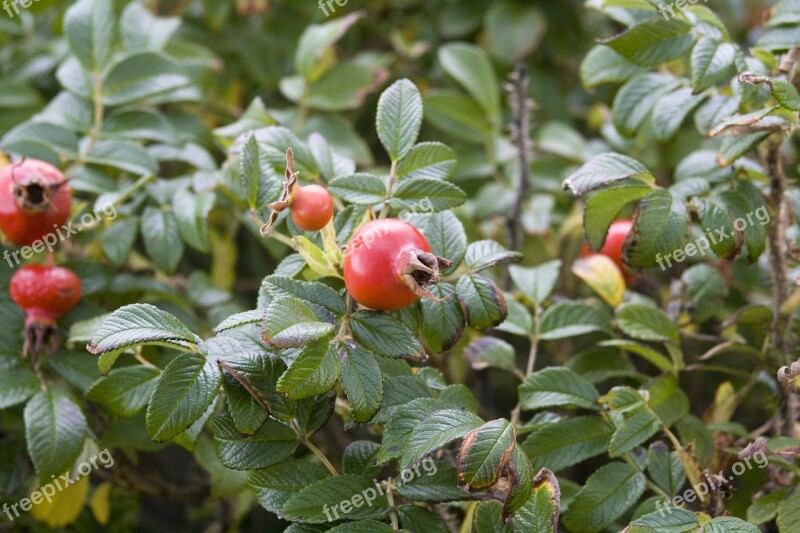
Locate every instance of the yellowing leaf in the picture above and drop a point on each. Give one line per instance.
(64, 506)
(603, 276)
(725, 402)
(100, 504)
(317, 260)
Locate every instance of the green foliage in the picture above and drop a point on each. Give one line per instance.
(519, 398)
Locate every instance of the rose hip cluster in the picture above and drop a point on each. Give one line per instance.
(388, 263)
(35, 198)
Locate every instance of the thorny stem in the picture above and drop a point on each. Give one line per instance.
(780, 282)
(393, 515)
(316, 451)
(392, 179)
(521, 107)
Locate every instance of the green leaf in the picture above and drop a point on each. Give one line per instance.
(363, 526)
(250, 170)
(343, 87)
(716, 218)
(623, 399)
(140, 324)
(361, 380)
(16, 386)
(118, 239)
(513, 31)
(671, 110)
(291, 323)
(520, 476)
(646, 323)
(360, 457)
(712, 62)
(604, 206)
(556, 386)
(406, 416)
(747, 199)
(360, 188)
(765, 508)
(125, 155)
(603, 170)
(665, 468)
(439, 195)
(604, 65)
(187, 387)
(432, 160)
(441, 485)
(125, 391)
(313, 292)
(457, 115)
(258, 375)
(470, 66)
(161, 238)
(316, 41)
(540, 512)
(41, 140)
(788, 512)
(54, 431)
(485, 352)
(661, 226)
(89, 27)
(730, 524)
(567, 442)
(481, 255)
(323, 500)
(633, 432)
(191, 214)
(415, 518)
(482, 300)
(238, 320)
(667, 399)
(786, 95)
(273, 142)
(609, 492)
(780, 38)
(399, 118)
(384, 335)
(674, 520)
(141, 76)
(435, 431)
(314, 371)
(484, 454)
(653, 41)
(487, 518)
(272, 443)
(735, 146)
(536, 283)
(634, 101)
(570, 319)
(140, 30)
(443, 321)
(275, 484)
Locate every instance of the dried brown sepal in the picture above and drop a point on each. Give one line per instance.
(287, 196)
(41, 338)
(418, 270)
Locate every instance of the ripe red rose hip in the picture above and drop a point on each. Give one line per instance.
(388, 265)
(615, 238)
(35, 198)
(311, 207)
(45, 293)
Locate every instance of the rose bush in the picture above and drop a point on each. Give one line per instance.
(430, 266)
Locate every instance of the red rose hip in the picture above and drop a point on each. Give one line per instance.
(35, 198)
(388, 265)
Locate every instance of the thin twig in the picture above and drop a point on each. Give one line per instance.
(521, 106)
